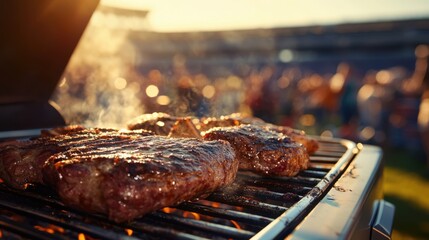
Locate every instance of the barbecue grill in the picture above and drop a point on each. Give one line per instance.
(339, 196)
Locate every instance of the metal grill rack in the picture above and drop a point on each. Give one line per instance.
(252, 207)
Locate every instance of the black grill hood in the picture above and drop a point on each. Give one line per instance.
(36, 43)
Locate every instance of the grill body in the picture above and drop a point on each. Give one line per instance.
(353, 207)
(336, 197)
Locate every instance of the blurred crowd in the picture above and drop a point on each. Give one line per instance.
(387, 107)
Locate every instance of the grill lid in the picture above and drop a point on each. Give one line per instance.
(38, 38)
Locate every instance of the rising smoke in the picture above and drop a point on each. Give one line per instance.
(100, 87)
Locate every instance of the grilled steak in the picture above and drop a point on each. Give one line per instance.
(259, 146)
(237, 119)
(157, 122)
(165, 125)
(123, 175)
(21, 162)
(310, 144)
(261, 150)
(234, 119)
(135, 177)
(184, 127)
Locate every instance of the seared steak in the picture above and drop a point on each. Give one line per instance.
(259, 146)
(184, 127)
(261, 150)
(21, 162)
(165, 125)
(310, 144)
(234, 119)
(157, 122)
(237, 119)
(123, 175)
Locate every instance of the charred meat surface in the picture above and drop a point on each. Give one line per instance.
(122, 175)
(237, 119)
(157, 122)
(261, 150)
(166, 125)
(21, 162)
(184, 127)
(310, 144)
(140, 175)
(234, 119)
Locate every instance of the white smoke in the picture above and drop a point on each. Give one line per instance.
(100, 85)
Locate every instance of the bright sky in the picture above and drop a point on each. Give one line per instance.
(190, 15)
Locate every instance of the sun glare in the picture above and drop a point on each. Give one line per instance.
(188, 15)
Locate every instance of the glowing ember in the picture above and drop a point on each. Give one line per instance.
(50, 229)
(215, 204)
(239, 208)
(81, 236)
(129, 231)
(187, 214)
(56, 228)
(236, 225)
(168, 210)
(44, 229)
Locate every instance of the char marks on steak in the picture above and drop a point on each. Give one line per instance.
(157, 122)
(261, 150)
(310, 144)
(122, 174)
(21, 162)
(165, 125)
(237, 119)
(138, 176)
(289, 148)
(184, 127)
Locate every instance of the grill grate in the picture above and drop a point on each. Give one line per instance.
(254, 206)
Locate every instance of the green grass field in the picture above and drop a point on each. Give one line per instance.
(406, 185)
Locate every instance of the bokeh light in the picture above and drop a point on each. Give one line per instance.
(152, 91)
(163, 100)
(209, 91)
(120, 83)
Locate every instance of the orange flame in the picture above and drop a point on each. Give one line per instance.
(196, 216)
(236, 225)
(56, 228)
(52, 229)
(81, 236)
(168, 210)
(215, 204)
(1, 181)
(238, 208)
(1, 234)
(44, 229)
(129, 231)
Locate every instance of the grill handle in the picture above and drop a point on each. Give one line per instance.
(383, 224)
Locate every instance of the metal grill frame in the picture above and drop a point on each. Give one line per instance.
(283, 223)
